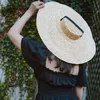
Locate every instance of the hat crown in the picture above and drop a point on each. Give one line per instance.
(70, 28)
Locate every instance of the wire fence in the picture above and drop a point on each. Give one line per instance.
(94, 65)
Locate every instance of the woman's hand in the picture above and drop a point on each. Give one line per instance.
(35, 6)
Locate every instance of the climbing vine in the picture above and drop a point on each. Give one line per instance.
(17, 72)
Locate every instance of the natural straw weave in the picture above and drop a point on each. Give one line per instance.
(77, 51)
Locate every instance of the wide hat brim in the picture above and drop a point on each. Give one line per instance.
(71, 51)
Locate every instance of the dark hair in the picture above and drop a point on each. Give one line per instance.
(64, 67)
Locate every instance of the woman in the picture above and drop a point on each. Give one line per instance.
(58, 61)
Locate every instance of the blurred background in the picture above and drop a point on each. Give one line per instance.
(17, 80)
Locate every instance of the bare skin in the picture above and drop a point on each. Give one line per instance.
(15, 36)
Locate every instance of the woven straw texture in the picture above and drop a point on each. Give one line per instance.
(51, 33)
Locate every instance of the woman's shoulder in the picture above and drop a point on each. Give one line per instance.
(57, 78)
(34, 52)
(62, 79)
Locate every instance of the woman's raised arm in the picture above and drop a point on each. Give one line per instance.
(14, 32)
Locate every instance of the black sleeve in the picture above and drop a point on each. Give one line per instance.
(82, 79)
(33, 52)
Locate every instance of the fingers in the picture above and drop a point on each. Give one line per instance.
(41, 5)
(38, 4)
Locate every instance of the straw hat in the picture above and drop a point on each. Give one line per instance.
(65, 33)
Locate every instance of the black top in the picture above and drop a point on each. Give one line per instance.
(51, 85)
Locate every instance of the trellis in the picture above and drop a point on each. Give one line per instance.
(94, 65)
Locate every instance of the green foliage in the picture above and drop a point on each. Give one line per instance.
(4, 91)
(17, 72)
(84, 7)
